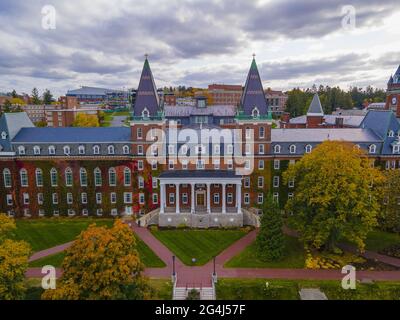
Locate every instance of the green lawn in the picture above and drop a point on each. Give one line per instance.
(202, 245)
(147, 256)
(49, 232)
(257, 289)
(294, 257)
(378, 240)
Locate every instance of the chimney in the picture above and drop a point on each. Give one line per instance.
(339, 122)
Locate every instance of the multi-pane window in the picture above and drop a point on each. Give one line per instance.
(96, 149)
(97, 177)
(141, 198)
(246, 198)
(260, 182)
(216, 198)
(140, 164)
(83, 177)
(155, 198)
(184, 165)
(52, 150)
(53, 177)
(230, 164)
(112, 177)
(7, 178)
(98, 198)
(70, 198)
(260, 198)
(40, 198)
(67, 150)
(247, 182)
(200, 165)
(127, 197)
(291, 183)
(84, 198)
(171, 164)
(55, 198)
(292, 149)
(125, 149)
(113, 197)
(261, 132)
(127, 177)
(184, 198)
(68, 177)
(261, 164)
(275, 182)
(24, 177)
(39, 177)
(36, 150)
(275, 197)
(171, 198)
(154, 182)
(154, 165)
(9, 199)
(229, 198)
(111, 149)
(21, 150)
(140, 149)
(26, 198)
(308, 148)
(216, 164)
(139, 133)
(140, 182)
(277, 148)
(372, 148)
(81, 149)
(261, 149)
(290, 195)
(277, 164)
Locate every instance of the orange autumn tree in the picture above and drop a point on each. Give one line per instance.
(102, 264)
(335, 196)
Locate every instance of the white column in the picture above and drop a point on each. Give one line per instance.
(239, 197)
(223, 198)
(192, 197)
(162, 197)
(177, 198)
(208, 198)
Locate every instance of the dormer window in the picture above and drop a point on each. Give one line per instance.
(372, 148)
(125, 149)
(111, 149)
(255, 112)
(277, 148)
(67, 150)
(96, 149)
(36, 150)
(308, 148)
(81, 149)
(21, 150)
(4, 135)
(391, 134)
(52, 150)
(145, 113)
(292, 149)
(396, 148)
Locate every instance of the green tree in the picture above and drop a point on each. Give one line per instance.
(103, 263)
(390, 214)
(14, 94)
(13, 261)
(47, 97)
(7, 106)
(35, 96)
(86, 120)
(333, 198)
(270, 240)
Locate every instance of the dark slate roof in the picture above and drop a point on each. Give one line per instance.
(199, 174)
(91, 91)
(182, 111)
(330, 119)
(378, 121)
(12, 123)
(146, 95)
(253, 93)
(73, 135)
(319, 135)
(315, 108)
(390, 80)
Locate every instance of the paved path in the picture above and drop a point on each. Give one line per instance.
(202, 274)
(48, 252)
(117, 121)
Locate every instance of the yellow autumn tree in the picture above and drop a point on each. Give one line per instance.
(102, 264)
(335, 195)
(13, 262)
(86, 120)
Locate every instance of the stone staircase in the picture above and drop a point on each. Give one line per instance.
(206, 293)
(149, 218)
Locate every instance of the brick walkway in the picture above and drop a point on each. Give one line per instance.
(48, 252)
(202, 274)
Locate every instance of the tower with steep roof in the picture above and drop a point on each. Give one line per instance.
(315, 113)
(253, 100)
(393, 93)
(147, 103)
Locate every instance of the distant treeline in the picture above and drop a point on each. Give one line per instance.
(332, 98)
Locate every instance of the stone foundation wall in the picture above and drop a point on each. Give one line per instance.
(213, 220)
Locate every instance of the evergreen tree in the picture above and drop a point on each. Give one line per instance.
(7, 106)
(47, 97)
(35, 96)
(270, 240)
(14, 94)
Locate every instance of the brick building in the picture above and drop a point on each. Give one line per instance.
(200, 166)
(225, 94)
(276, 101)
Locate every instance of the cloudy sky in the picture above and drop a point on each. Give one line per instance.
(195, 43)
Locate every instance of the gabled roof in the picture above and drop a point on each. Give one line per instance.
(186, 111)
(315, 108)
(378, 121)
(12, 123)
(390, 80)
(253, 94)
(73, 135)
(146, 95)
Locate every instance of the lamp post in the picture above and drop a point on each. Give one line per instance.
(214, 273)
(173, 266)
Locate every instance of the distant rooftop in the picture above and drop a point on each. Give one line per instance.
(91, 91)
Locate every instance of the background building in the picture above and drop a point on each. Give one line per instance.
(276, 100)
(225, 94)
(108, 97)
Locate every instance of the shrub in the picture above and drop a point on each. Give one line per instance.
(193, 295)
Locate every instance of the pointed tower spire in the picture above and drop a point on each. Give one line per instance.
(253, 97)
(147, 100)
(315, 108)
(390, 80)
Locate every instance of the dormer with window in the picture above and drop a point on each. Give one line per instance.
(36, 150)
(52, 150)
(372, 148)
(125, 149)
(277, 148)
(292, 149)
(111, 149)
(67, 150)
(308, 148)
(391, 134)
(21, 150)
(96, 149)
(145, 113)
(81, 150)
(255, 112)
(4, 135)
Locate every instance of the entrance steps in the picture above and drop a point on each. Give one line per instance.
(206, 293)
